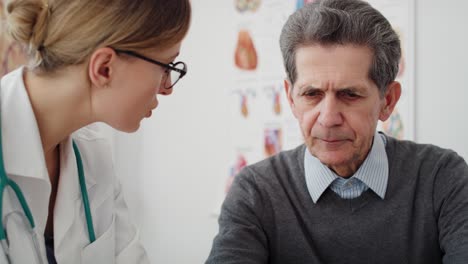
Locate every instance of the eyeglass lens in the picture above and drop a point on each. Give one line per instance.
(172, 77)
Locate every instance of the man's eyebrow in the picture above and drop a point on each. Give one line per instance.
(349, 88)
(308, 88)
(355, 89)
(345, 88)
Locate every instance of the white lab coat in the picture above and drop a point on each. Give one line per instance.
(117, 240)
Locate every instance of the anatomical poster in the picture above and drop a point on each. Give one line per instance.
(261, 121)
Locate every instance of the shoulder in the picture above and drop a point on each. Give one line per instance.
(414, 153)
(10, 83)
(96, 152)
(93, 138)
(276, 170)
(266, 184)
(13, 76)
(92, 132)
(427, 160)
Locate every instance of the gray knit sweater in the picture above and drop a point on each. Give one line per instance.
(269, 217)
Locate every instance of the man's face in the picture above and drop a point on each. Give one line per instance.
(337, 104)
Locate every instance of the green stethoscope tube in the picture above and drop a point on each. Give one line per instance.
(4, 183)
(7, 182)
(84, 194)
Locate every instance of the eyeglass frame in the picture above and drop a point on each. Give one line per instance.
(168, 66)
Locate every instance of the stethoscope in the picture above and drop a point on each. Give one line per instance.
(5, 182)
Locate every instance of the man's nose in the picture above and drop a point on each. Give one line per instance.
(330, 114)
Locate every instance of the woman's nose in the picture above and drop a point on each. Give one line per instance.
(165, 82)
(165, 91)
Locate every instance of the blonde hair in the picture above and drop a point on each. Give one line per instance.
(59, 33)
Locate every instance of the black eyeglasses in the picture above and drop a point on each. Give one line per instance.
(174, 71)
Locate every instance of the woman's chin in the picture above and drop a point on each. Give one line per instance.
(129, 128)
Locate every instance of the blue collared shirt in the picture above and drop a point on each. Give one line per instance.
(373, 174)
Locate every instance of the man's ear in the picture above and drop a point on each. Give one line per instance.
(288, 88)
(101, 66)
(391, 97)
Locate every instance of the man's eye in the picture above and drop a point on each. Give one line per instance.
(312, 93)
(350, 95)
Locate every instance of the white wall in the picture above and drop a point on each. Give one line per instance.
(442, 74)
(173, 168)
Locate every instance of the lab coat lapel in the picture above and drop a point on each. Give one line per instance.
(69, 206)
(22, 148)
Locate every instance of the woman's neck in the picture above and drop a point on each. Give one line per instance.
(61, 104)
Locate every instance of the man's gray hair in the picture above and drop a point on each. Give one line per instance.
(341, 22)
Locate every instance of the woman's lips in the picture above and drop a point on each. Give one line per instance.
(150, 112)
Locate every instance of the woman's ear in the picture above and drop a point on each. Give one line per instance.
(101, 64)
(392, 95)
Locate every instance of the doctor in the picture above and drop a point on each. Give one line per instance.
(90, 61)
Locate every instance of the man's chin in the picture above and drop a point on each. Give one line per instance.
(333, 162)
(332, 158)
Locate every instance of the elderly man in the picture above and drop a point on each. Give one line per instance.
(349, 194)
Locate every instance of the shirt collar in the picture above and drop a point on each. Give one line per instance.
(373, 172)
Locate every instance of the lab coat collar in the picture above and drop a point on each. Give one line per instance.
(22, 145)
